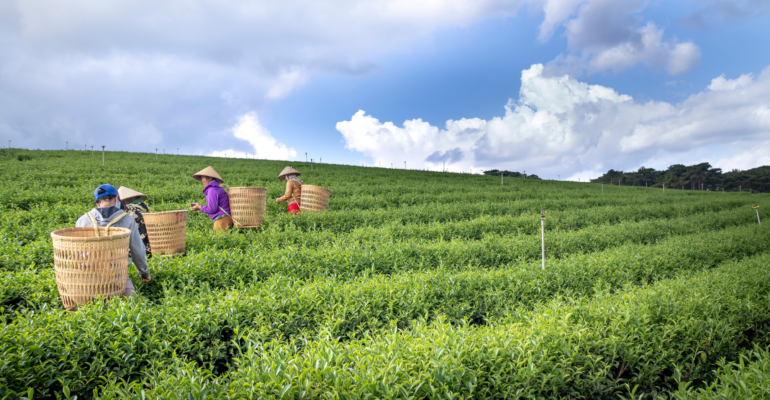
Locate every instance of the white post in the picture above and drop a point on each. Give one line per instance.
(542, 233)
(305, 157)
(404, 164)
(759, 221)
(102, 156)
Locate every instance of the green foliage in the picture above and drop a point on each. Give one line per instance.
(412, 284)
(694, 177)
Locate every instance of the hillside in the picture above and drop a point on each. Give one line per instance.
(413, 283)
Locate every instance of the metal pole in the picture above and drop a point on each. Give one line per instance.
(102, 156)
(305, 157)
(67, 147)
(664, 188)
(501, 179)
(156, 154)
(311, 165)
(542, 233)
(602, 187)
(177, 151)
(404, 164)
(92, 150)
(756, 208)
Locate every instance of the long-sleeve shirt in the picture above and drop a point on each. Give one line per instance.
(135, 244)
(136, 211)
(292, 188)
(216, 197)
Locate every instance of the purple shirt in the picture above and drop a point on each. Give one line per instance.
(216, 197)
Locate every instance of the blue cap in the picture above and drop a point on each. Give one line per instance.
(106, 190)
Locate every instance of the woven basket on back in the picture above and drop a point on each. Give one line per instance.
(87, 266)
(247, 205)
(314, 198)
(166, 231)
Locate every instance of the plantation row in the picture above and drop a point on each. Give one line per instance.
(32, 288)
(201, 324)
(585, 348)
(26, 246)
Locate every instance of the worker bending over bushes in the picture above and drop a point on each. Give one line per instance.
(107, 214)
(133, 204)
(293, 189)
(217, 202)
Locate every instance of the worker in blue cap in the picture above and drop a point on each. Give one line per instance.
(106, 213)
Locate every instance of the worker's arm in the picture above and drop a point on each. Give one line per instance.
(287, 195)
(212, 202)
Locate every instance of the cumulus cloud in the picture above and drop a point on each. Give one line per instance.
(562, 126)
(263, 143)
(609, 35)
(720, 83)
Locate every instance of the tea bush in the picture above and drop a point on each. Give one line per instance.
(390, 293)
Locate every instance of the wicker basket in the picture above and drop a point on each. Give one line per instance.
(247, 205)
(87, 266)
(166, 231)
(314, 198)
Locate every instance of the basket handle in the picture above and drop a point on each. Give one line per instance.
(226, 213)
(93, 223)
(96, 224)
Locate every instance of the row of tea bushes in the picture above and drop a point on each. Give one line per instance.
(126, 337)
(584, 348)
(746, 379)
(225, 268)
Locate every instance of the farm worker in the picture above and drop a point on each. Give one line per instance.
(218, 203)
(106, 213)
(133, 203)
(293, 189)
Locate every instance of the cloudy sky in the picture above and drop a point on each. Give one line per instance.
(560, 88)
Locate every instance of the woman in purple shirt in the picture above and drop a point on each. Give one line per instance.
(218, 204)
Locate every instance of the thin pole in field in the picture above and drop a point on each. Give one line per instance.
(501, 179)
(756, 208)
(156, 154)
(92, 150)
(311, 165)
(664, 188)
(103, 156)
(602, 187)
(177, 151)
(67, 147)
(740, 189)
(305, 157)
(9, 144)
(542, 233)
(404, 164)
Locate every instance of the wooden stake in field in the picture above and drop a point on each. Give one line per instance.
(542, 233)
(756, 208)
(602, 187)
(103, 156)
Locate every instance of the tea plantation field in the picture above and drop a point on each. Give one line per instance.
(412, 285)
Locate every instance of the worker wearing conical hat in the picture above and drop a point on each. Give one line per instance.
(217, 202)
(133, 203)
(293, 189)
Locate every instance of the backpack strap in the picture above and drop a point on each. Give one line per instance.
(116, 219)
(93, 223)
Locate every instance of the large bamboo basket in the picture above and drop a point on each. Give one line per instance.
(314, 198)
(247, 205)
(166, 231)
(87, 266)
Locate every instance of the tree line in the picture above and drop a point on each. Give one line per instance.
(694, 177)
(514, 174)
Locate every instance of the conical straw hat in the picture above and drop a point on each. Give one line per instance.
(287, 171)
(130, 194)
(208, 171)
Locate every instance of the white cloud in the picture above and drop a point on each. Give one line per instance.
(720, 83)
(265, 146)
(286, 81)
(755, 157)
(607, 35)
(561, 126)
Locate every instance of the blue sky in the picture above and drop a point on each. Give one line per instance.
(620, 84)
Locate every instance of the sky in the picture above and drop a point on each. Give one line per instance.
(565, 89)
